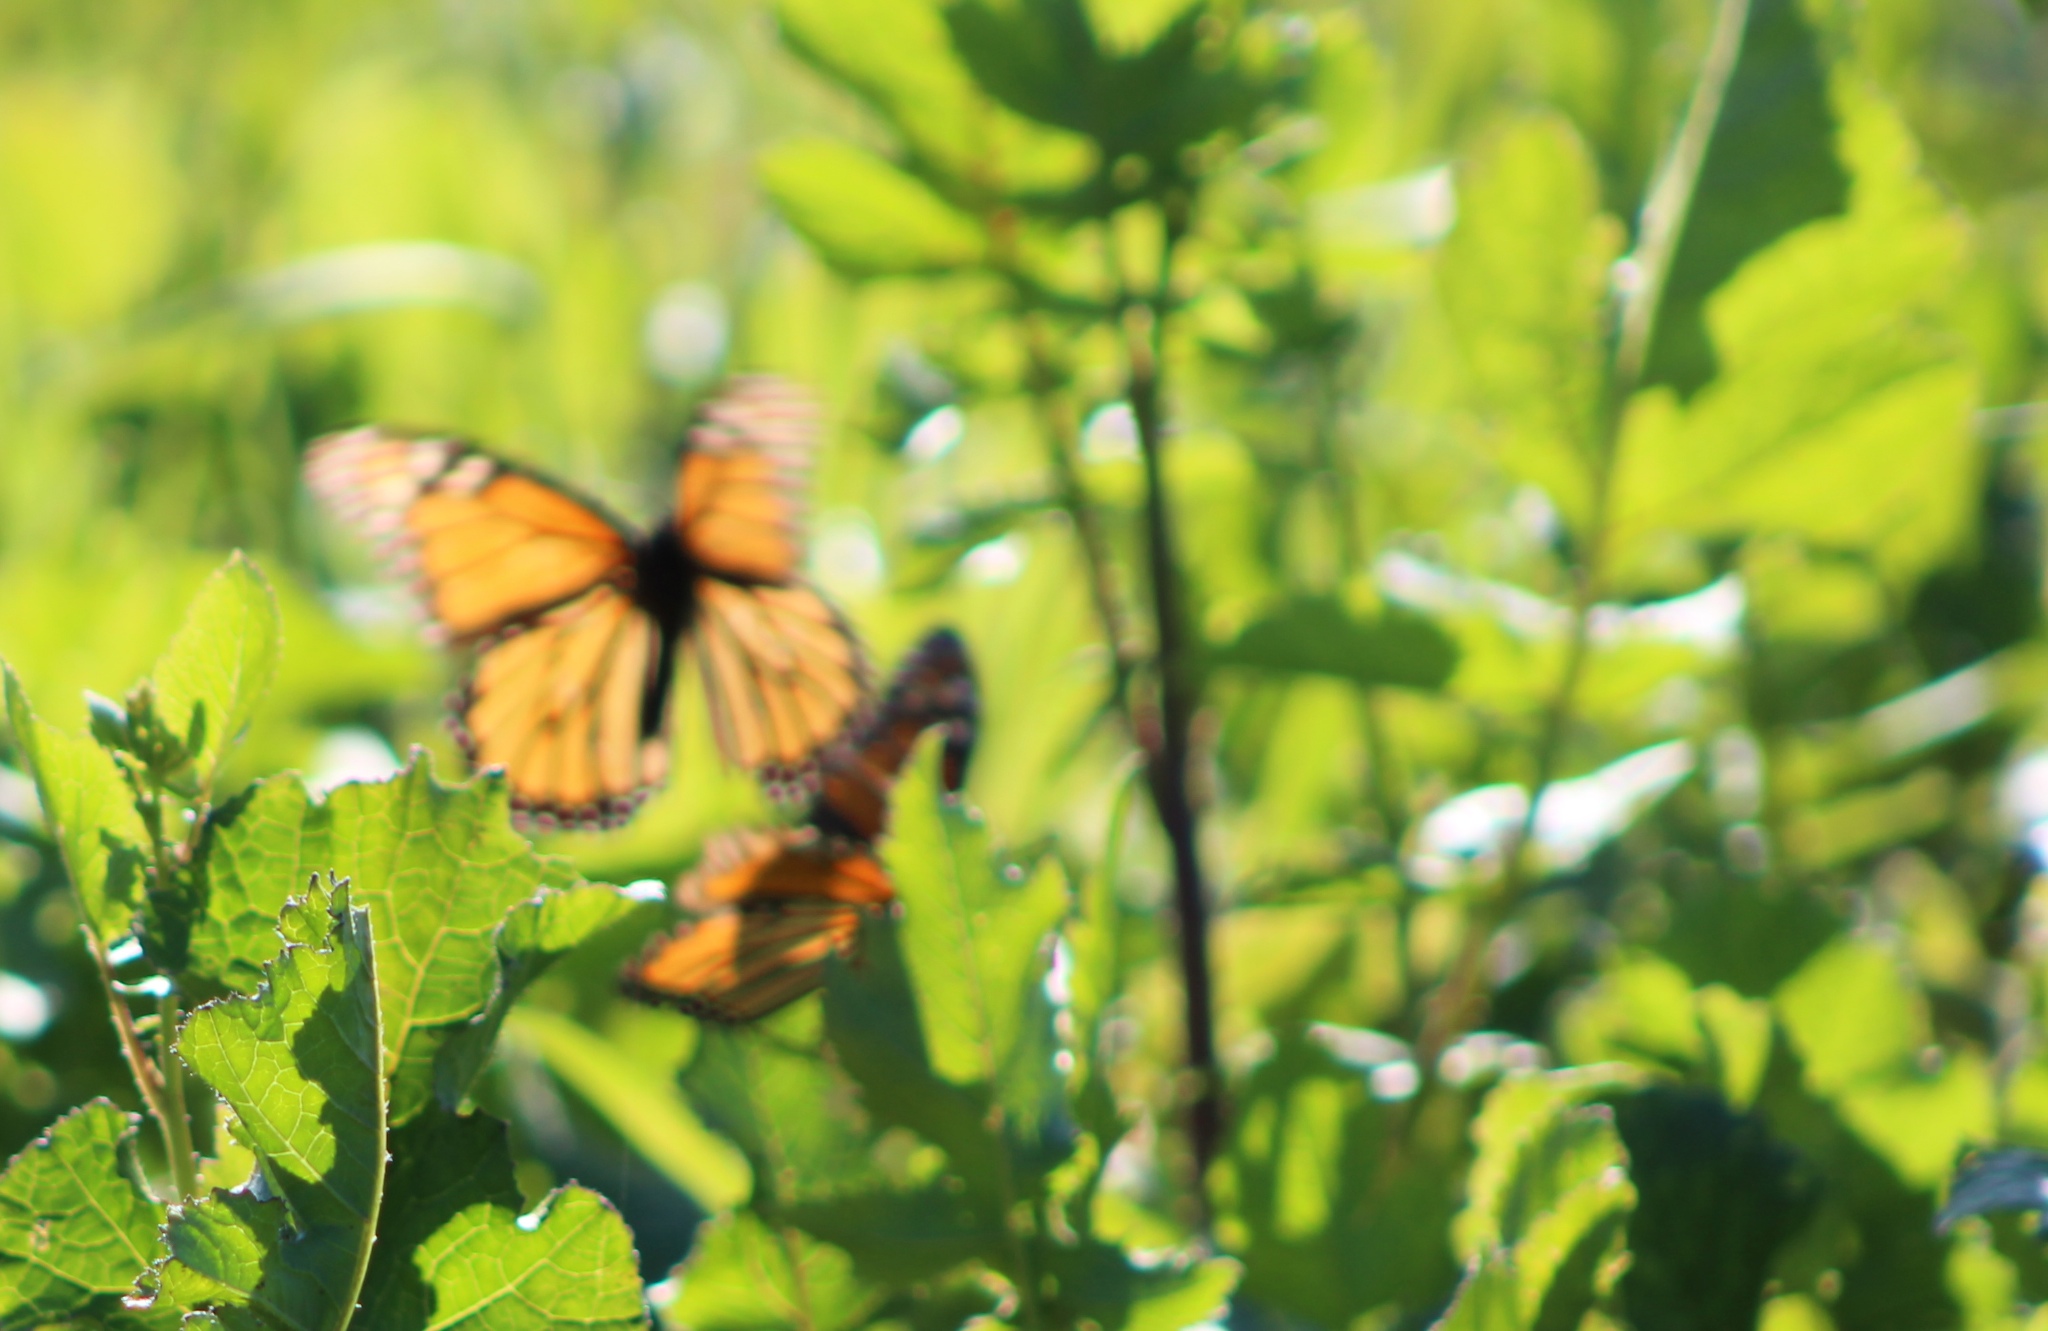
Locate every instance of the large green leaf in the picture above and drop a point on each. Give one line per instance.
(1309, 635)
(866, 216)
(975, 937)
(454, 1253)
(1862, 1031)
(1837, 377)
(256, 853)
(1524, 283)
(897, 55)
(538, 932)
(76, 1225)
(221, 660)
(1549, 1196)
(744, 1274)
(1769, 167)
(441, 873)
(301, 1065)
(89, 812)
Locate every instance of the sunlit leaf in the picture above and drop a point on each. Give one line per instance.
(89, 811)
(867, 217)
(1524, 283)
(1769, 167)
(745, 1275)
(221, 660)
(76, 1225)
(440, 872)
(476, 1264)
(300, 1064)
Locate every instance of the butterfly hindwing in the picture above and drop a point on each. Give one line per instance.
(739, 966)
(562, 706)
(772, 906)
(783, 674)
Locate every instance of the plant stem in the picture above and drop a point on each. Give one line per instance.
(178, 1134)
(1144, 329)
(149, 1081)
(1062, 433)
(1460, 1002)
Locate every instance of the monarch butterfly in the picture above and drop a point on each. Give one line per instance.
(773, 907)
(578, 622)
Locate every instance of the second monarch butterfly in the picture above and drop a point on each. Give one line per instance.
(578, 622)
(773, 907)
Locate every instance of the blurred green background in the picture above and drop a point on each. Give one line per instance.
(1809, 728)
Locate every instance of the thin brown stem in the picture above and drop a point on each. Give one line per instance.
(1178, 690)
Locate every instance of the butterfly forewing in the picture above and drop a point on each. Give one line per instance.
(739, 488)
(766, 868)
(487, 544)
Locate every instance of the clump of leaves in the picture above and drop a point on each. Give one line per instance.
(356, 956)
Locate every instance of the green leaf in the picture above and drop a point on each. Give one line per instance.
(1549, 1196)
(256, 853)
(1769, 168)
(1862, 1029)
(534, 936)
(442, 1164)
(1525, 1160)
(975, 943)
(440, 871)
(1640, 1010)
(791, 1113)
(643, 1108)
(76, 1225)
(866, 216)
(745, 1275)
(1524, 282)
(897, 55)
(454, 1254)
(221, 660)
(300, 1064)
(1046, 61)
(1165, 1299)
(1839, 373)
(1317, 635)
(89, 812)
(1850, 1012)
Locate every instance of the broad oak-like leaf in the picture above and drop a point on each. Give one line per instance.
(300, 1063)
(76, 1225)
(459, 905)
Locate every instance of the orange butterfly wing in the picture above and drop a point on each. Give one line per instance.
(566, 680)
(757, 868)
(739, 487)
(933, 687)
(740, 966)
(487, 543)
(783, 673)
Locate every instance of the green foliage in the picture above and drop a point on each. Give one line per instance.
(1350, 329)
(76, 1223)
(300, 1065)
